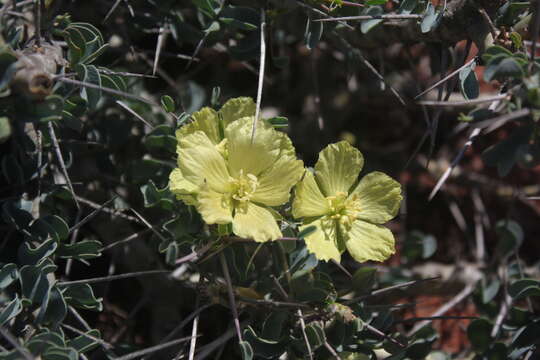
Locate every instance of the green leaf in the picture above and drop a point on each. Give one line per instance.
(8, 274)
(51, 109)
(363, 280)
(171, 254)
(490, 290)
(313, 33)
(76, 44)
(419, 246)
(167, 103)
(86, 249)
(5, 129)
(367, 25)
(46, 339)
(263, 348)
(85, 342)
(30, 255)
(422, 343)
(308, 230)
(527, 335)
(246, 350)
(315, 334)
(90, 74)
(495, 51)
(508, 67)
(8, 67)
(240, 17)
(430, 19)
(55, 310)
(510, 235)
(161, 138)
(154, 197)
(34, 284)
(468, 82)
(82, 296)
(57, 353)
(273, 325)
(17, 213)
(524, 288)
(376, 2)
(207, 7)
(504, 154)
(479, 333)
(407, 6)
(10, 310)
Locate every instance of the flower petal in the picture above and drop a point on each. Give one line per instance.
(254, 222)
(183, 189)
(338, 167)
(214, 207)
(205, 120)
(237, 108)
(379, 197)
(323, 241)
(367, 241)
(253, 157)
(308, 199)
(275, 183)
(200, 162)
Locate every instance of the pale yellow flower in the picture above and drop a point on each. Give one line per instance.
(345, 216)
(240, 181)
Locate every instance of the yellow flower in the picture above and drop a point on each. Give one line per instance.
(237, 185)
(343, 216)
(212, 123)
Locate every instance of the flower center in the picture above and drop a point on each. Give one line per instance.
(243, 186)
(343, 208)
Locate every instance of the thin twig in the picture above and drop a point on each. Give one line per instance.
(37, 5)
(105, 344)
(211, 347)
(373, 17)
(132, 112)
(467, 290)
(492, 27)
(446, 78)
(194, 255)
(127, 239)
(464, 102)
(159, 45)
(90, 216)
(376, 331)
(497, 122)
(112, 277)
(533, 30)
(304, 334)
(113, 212)
(390, 288)
(115, 5)
(62, 163)
(193, 341)
(181, 325)
(108, 90)
(72, 240)
(262, 61)
(230, 292)
(150, 226)
(474, 133)
(331, 350)
(322, 13)
(153, 349)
